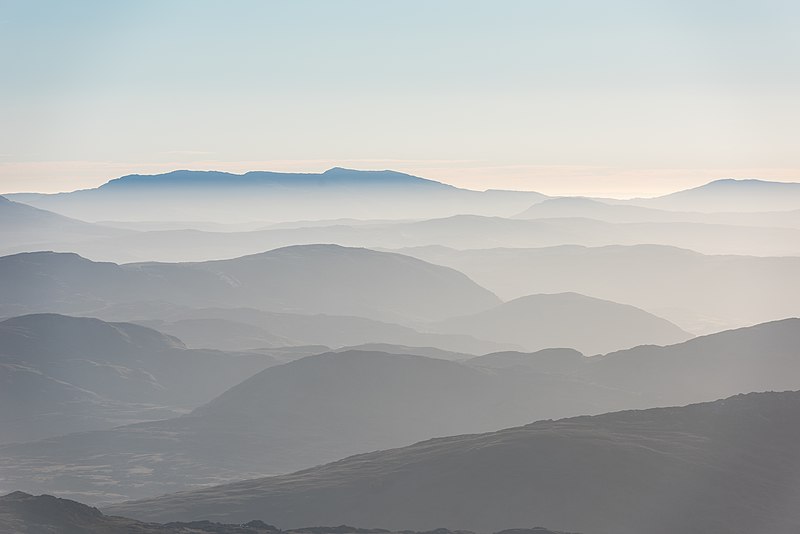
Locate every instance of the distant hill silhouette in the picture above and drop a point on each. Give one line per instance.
(726, 466)
(700, 293)
(65, 374)
(305, 279)
(25, 226)
(624, 212)
(731, 195)
(248, 328)
(460, 232)
(570, 320)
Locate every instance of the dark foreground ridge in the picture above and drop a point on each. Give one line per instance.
(22, 513)
(729, 466)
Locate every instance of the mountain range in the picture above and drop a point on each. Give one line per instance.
(725, 466)
(324, 407)
(617, 212)
(26, 226)
(461, 232)
(701, 293)
(309, 279)
(186, 195)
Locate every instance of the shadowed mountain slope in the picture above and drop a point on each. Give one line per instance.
(23, 225)
(325, 407)
(64, 374)
(21, 513)
(727, 466)
(306, 412)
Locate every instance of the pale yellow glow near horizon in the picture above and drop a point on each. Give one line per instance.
(567, 180)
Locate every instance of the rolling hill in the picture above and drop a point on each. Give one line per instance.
(569, 320)
(65, 374)
(328, 406)
(700, 293)
(730, 195)
(23, 226)
(306, 279)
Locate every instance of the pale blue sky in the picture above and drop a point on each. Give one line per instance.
(595, 97)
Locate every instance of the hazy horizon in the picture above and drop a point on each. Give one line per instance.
(621, 99)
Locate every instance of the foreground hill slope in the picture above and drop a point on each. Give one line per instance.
(727, 466)
(570, 320)
(306, 412)
(325, 407)
(21, 513)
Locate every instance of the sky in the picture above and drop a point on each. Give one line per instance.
(612, 98)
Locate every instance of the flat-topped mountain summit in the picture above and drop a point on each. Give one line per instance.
(186, 195)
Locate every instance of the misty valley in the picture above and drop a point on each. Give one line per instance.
(370, 352)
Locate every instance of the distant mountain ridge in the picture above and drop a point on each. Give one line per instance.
(217, 179)
(301, 279)
(274, 196)
(22, 225)
(700, 293)
(730, 194)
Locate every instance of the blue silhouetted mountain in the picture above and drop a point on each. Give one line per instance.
(725, 466)
(272, 196)
(569, 320)
(328, 406)
(307, 279)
